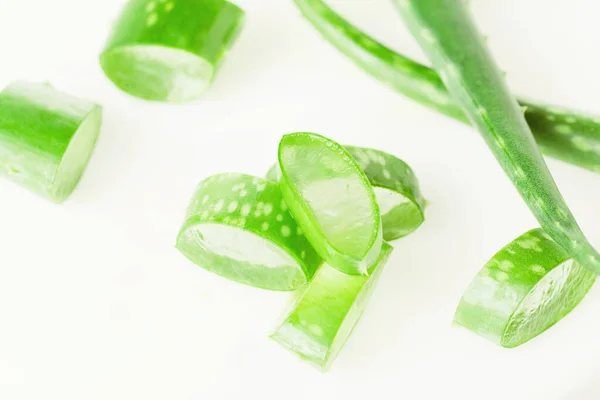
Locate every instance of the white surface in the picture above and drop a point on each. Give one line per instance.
(95, 302)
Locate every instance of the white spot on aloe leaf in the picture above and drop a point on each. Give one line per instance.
(386, 173)
(316, 329)
(505, 265)
(286, 231)
(152, 18)
(571, 120)
(531, 243)
(550, 117)
(243, 193)
(265, 226)
(538, 269)
(582, 143)
(500, 276)
(219, 205)
(564, 129)
(232, 206)
(150, 6)
(205, 199)
(519, 173)
(268, 208)
(169, 6)
(303, 254)
(279, 217)
(246, 208)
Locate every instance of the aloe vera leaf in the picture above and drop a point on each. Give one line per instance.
(46, 138)
(396, 187)
(332, 201)
(527, 287)
(563, 134)
(325, 312)
(169, 50)
(447, 34)
(239, 227)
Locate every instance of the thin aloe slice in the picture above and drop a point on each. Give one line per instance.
(46, 138)
(239, 227)
(325, 313)
(169, 50)
(446, 32)
(396, 187)
(332, 200)
(564, 134)
(523, 290)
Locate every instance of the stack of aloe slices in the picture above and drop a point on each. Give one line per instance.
(320, 229)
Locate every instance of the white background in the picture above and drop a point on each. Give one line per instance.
(95, 302)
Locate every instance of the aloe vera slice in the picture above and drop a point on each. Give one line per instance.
(332, 200)
(169, 50)
(446, 32)
(396, 187)
(239, 227)
(46, 138)
(325, 313)
(561, 133)
(527, 287)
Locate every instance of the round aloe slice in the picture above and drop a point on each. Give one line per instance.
(239, 227)
(169, 50)
(46, 138)
(325, 313)
(332, 200)
(396, 187)
(523, 290)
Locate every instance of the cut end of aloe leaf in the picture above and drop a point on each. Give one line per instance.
(401, 205)
(523, 290)
(239, 227)
(158, 73)
(76, 157)
(332, 200)
(326, 312)
(46, 138)
(169, 50)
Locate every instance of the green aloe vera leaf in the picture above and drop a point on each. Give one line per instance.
(239, 227)
(396, 187)
(446, 32)
(563, 134)
(326, 311)
(46, 138)
(523, 290)
(332, 200)
(169, 50)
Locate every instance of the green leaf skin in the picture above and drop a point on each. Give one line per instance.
(396, 187)
(332, 200)
(325, 313)
(560, 133)
(169, 50)
(46, 138)
(523, 290)
(239, 227)
(447, 34)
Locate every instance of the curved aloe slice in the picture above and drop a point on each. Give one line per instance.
(523, 290)
(46, 138)
(560, 133)
(238, 226)
(326, 312)
(169, 50)
(332, 200)
(396, 187)
(447, 34)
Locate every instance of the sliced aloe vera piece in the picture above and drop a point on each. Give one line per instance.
(325, 313)
(46, 138)
(396, 187)
(332, 200)
(169, 50)
(239, 227)
(523, 290)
